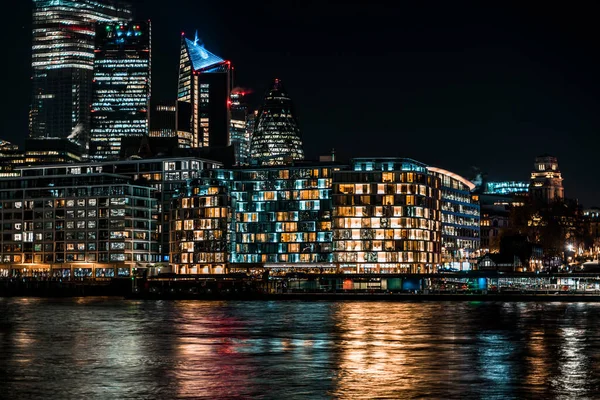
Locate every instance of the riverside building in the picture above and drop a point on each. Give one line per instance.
(76, 222)
(79, 192)
(386, 217)
(374, 215)
(460, 220)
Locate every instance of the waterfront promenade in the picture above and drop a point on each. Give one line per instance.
(474, 285)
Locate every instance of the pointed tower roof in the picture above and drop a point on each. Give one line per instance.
(201, 58)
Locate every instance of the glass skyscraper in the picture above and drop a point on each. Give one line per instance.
(276, 137)
(121, 88)
(63, 63)
(240, 135)
(203, 96)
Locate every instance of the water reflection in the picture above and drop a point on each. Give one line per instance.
(107, 348)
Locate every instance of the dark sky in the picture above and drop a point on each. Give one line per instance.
(453, 84)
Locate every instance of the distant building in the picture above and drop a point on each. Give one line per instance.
(240, 136)
(506, 187)
(203, 97)
(163, 122)
(546, 184)
(276, 138)
(10, 158)
(122, 86)
(63, 64)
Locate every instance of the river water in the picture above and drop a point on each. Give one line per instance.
(102, 348)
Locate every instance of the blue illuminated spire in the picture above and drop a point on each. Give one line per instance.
(201, 58)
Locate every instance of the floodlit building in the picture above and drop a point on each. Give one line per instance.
(63, 62)
(546, 184)
(121, 87)
(276, 138)
(203, 96)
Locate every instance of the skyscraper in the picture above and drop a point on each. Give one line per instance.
(203, 96)
(121, 88)
(63, 63)
(276, 137)
(240, 136)
(546, 180)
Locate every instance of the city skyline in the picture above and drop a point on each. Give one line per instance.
(473, 84)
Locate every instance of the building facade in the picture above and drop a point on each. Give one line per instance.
(63, 62)
(507, 188)
(200, 229)
(546, 184)
(460, 220)
(282, 216)
(276, 138)
(76, 222)
(121, 87)
(203, 97)
(163, 122)
(240, 135)
(386, 217)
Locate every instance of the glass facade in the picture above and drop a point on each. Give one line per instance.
(240, 135)
(121, 88)
(281, 215)
(386, 217)
(63, 63)
(203, 96)
(460, 220)
(276, 138)
(199, 229)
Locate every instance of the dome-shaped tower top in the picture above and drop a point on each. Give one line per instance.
(276, 138)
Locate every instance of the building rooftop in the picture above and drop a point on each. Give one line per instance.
(200, 57)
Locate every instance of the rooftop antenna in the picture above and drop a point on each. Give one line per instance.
(196, 38)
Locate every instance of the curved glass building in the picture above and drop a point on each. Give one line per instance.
(276, 139)
(460, 220)
(386, 217)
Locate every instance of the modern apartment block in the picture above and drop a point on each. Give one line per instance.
(77, 221)
(374, 215)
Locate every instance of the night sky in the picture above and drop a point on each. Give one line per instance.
(452, 84)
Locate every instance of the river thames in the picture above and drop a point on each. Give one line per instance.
(104, 348)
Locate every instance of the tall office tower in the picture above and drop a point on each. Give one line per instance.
(63, 64)
(203, 96)
(546, 180)
(121, 88)
(276, 137)
(240, 136)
